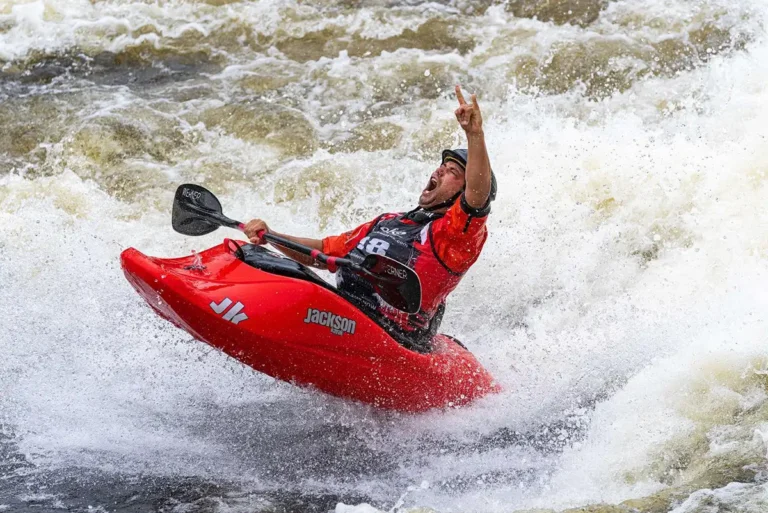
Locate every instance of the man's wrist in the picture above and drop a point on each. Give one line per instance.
(478, 135)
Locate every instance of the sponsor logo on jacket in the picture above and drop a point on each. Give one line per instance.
(396, 232)
(338, 324)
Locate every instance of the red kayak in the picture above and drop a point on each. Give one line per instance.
(276, 316)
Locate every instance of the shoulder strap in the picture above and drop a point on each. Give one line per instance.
(420, 216)
(375, 222)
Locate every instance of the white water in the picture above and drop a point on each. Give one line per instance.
(561, 308)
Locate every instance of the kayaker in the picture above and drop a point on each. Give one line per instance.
(440, 239)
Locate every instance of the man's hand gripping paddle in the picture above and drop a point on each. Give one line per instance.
(196, 211)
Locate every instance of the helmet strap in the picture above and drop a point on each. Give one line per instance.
(446, 203)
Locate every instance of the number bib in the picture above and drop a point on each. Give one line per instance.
(389, 237)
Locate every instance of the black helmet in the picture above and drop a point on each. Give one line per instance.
(459, 155)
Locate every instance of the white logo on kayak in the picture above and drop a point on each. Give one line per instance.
(232, 315)
(338, 324)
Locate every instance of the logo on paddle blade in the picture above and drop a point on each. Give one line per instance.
(189, 193)
(338, 324)
(394, 271)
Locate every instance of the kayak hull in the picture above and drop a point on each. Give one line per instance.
(301, 332)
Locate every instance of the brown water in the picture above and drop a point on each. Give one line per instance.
(620, 300)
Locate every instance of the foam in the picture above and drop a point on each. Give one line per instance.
(627, 258)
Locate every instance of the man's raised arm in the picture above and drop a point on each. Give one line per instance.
(478, 173)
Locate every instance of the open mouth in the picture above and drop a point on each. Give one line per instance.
(432, 185)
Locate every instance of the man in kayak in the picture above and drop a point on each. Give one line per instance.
(439, 240)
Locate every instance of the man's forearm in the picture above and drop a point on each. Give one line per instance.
(478, 173)
(300, 257)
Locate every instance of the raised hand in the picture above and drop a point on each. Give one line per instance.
(468, 114)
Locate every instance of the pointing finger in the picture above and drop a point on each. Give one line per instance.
(474, 101)
(460, 96)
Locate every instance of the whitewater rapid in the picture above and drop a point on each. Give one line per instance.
(620, 300)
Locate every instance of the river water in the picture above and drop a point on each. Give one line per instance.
(621, 300)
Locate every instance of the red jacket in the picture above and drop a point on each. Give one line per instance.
(439, 248)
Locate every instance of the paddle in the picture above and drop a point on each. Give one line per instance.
(196, 211)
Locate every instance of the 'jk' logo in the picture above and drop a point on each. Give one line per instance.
(233, 315)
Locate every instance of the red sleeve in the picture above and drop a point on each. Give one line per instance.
(340, 245)
(459, 236)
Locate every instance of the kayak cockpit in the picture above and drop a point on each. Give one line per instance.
(274, 263)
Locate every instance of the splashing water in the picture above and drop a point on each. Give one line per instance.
(620, 299)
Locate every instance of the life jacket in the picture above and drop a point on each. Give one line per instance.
(407, 238)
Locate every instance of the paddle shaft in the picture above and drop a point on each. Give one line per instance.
(332, 263)
(196, 211)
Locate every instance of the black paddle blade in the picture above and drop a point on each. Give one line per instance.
(397, 284)
(191, 207)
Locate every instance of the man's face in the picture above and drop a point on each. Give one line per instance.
(444, 183)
